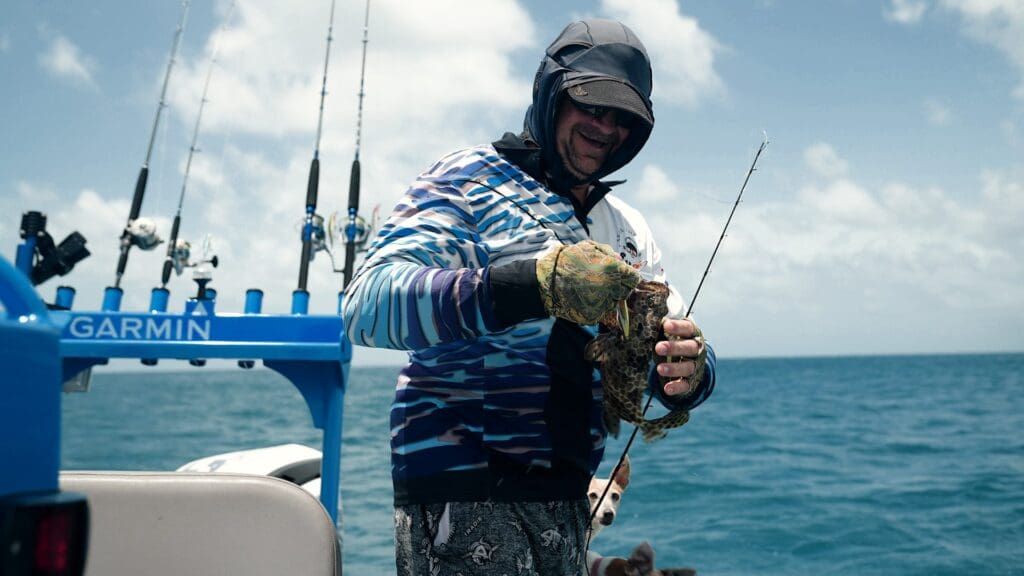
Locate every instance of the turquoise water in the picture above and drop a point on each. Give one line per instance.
(887, 465)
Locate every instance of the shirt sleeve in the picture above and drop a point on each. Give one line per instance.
(426, 279)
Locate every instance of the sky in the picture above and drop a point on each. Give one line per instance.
(884, 218)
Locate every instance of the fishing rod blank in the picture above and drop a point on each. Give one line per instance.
(689, 311)
(351, 229)
(314, 172)
(173, 241)
(132, 235)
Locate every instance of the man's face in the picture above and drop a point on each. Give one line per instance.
(584, 140)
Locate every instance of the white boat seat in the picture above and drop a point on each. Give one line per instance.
(173, 523)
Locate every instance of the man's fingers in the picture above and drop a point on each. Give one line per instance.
(673, 348)
(677, 369)
(679, 327)
(677, 387)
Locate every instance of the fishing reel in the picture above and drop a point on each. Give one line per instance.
(142, 233)
(49, 259)
(338, 228)
(317, 236)
(323, 238)
(181, 258)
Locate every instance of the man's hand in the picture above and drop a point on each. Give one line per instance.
(583, 282)
(685, 354)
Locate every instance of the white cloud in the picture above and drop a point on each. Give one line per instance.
(843, 201)
(64, 59)
(920, 269)
(905, 11)
(999, 23)
(423, 68)
(682, 53)
(937, 113)
(5, 42)
(32, 194)
(433, 83)
(823, 160)
(655, 186)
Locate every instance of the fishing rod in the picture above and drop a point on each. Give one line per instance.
(689, 311)
(145, 236)
(175, 253)
(352, 228)
(311, 224)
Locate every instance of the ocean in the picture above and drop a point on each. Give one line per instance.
(898, 465)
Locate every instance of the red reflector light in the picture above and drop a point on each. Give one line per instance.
(54, 533)
(43, 534)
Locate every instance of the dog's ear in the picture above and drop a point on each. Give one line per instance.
(622, 477)
(641, 561)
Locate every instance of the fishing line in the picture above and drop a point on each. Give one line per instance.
(130, 237)
(171, 244)
(689, 311)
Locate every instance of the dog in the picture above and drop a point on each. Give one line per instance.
(609, 506)
(641, 560)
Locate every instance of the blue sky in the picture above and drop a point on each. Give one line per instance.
(885, 217)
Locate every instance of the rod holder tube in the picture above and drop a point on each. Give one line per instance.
(300, 302)
(253, 301)
(65, 297)
(112, 299)
(158, 299)
(253, 305)
(23, 256)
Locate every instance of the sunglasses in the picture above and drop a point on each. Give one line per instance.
(622, 118)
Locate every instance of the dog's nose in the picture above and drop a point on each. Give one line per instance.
(607, 518)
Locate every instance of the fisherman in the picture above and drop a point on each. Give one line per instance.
(493, 271)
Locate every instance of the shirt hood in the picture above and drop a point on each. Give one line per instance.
(585, 51)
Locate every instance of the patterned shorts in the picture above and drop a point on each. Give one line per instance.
(494, 538)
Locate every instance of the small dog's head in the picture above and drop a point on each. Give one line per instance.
(610, 505)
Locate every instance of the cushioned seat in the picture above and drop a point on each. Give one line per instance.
(174, 523)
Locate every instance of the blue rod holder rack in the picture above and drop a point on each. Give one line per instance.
(312, 352)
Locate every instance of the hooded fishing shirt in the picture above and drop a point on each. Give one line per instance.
(497, 400)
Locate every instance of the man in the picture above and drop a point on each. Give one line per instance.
(493, 271)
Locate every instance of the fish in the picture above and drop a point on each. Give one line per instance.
(624, 354)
